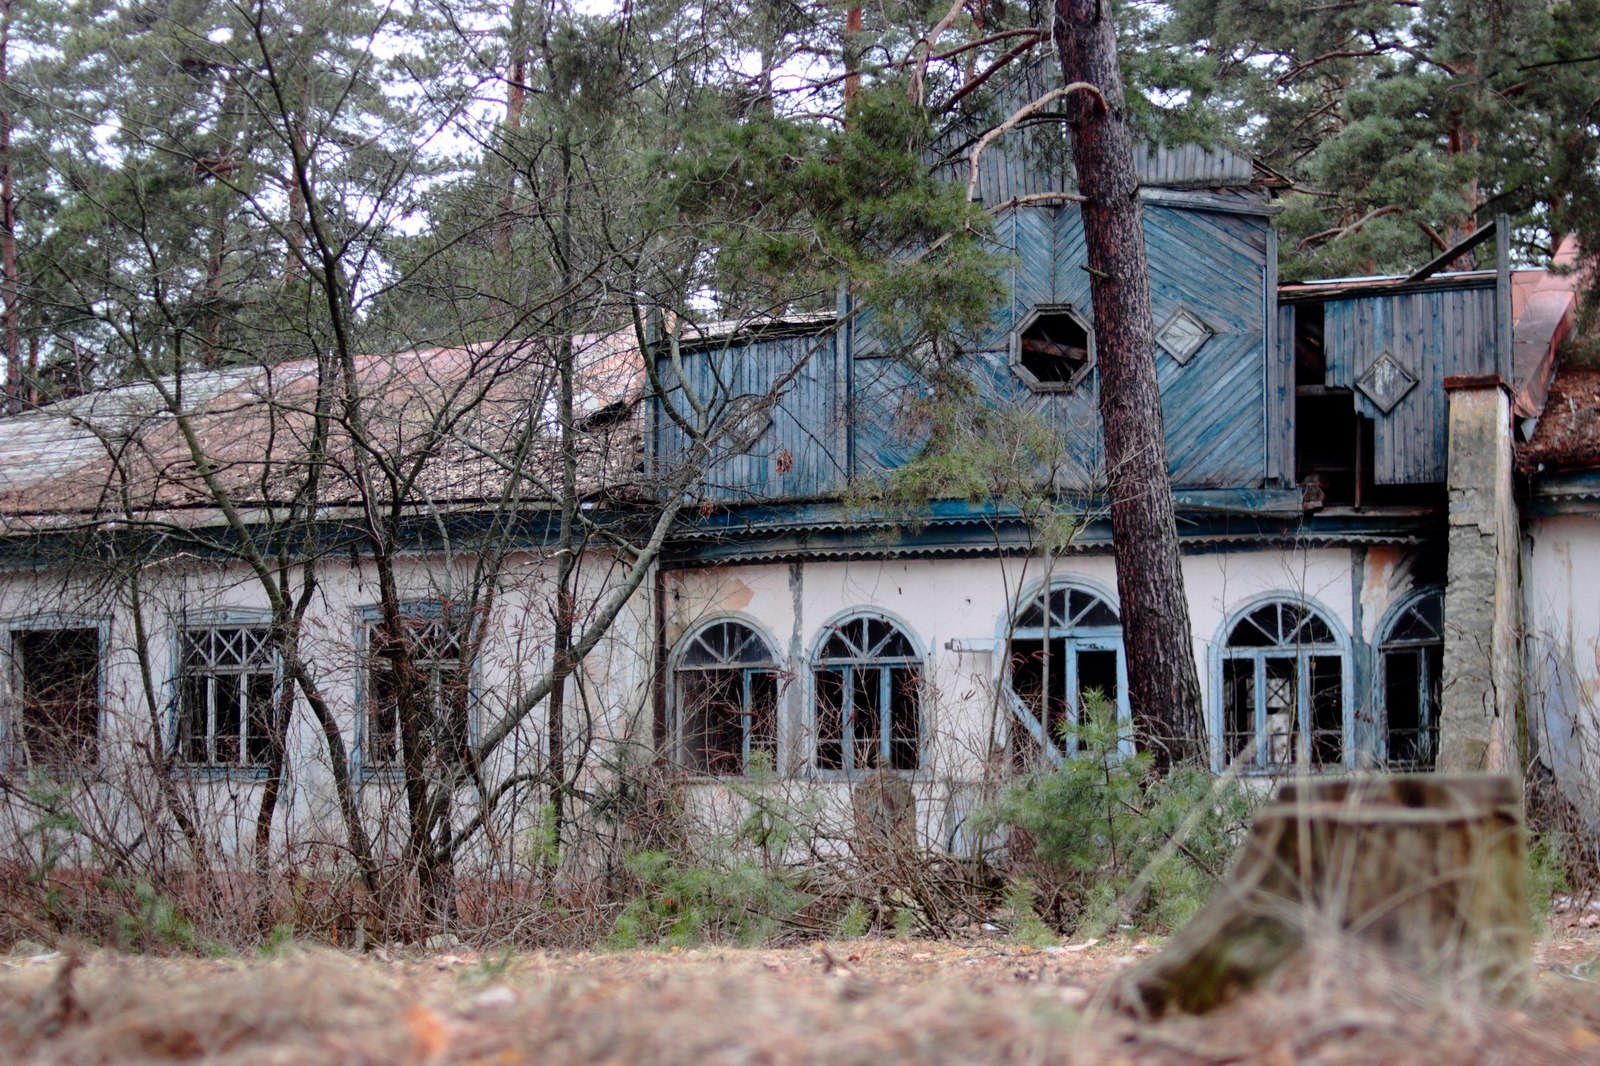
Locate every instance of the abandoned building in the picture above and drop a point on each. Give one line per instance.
(1388, 496)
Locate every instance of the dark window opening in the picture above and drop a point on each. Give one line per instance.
(1066, 649)
(430, 666)
(59, 675)
(905, 719)
(1283, 698)
(1238, 706)
(713, 733)
(727, 700)
(866, 717)
(830, 719)
(1054, 350)
(1412, 663)
(1328, 437)
(1327, 712)
(868, 699)
(1335, 445)
(763, 713)
(1310, 355)
(1033, 673)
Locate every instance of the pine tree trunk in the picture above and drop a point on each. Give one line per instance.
(1163, 686)
(9, 280)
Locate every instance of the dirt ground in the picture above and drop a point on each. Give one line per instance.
(864, 1001)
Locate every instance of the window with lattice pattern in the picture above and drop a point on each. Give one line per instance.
(423, 681)
(226, 696)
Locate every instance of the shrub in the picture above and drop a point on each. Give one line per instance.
(1105, 843)
(726, 898)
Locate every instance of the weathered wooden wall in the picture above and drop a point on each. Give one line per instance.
(803, 454)
(852, 408)
(1434, 333)
(1035, 156)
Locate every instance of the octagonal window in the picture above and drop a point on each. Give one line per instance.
(1053, 350)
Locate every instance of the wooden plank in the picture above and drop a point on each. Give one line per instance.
(1502, 303)
(1278, 382)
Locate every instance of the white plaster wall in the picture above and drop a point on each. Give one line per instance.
(613, 700)
(954, 610)
(965, 602)
(1561, 616)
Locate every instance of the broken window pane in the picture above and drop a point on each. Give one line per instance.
(226, 694)
(1053, 349)
(865, 721)
(1283, 712)
(262, 708)
(1327, 712)
(437, 711)
(763, 712)
(713, 735)
(60, 676)
(1053, 670)
(727, 699)
(1283, 689)
(830, 719)
(868, 709)
(228, 721)
(1411, 663)
(1238, 707)
(905, 719)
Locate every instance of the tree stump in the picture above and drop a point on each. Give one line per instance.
(1430, 869)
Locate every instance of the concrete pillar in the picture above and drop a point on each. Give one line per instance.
(1479, 720)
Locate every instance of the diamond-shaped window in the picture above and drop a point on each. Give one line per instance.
(1386, 382)
(1053, 350)
(1182, 335)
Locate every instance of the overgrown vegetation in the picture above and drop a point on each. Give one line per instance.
(1107, 844)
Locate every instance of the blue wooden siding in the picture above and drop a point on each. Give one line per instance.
(1280, 396)
(799, 455)
(1433, 334)
(1212, 264)
(1035, 157)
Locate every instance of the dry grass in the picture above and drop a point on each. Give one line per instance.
(860, 1001)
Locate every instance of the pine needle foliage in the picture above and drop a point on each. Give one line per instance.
(1109, 844)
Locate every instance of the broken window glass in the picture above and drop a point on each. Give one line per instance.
(1411, 663)
(225, 696)
(1284, 703)
(420, 682)
(727, 699)
(58, 671)
(868, 698)
(1066, 648)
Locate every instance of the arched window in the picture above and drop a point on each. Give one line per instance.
(727, 684)
(1283, 694)
(868, 698)
(1067, 643)
(1411, 661)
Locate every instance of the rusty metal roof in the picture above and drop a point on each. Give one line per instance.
(434, 427)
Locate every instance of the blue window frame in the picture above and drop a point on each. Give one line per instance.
(1284, 700)
(1065, 645)
(867, 686)
(727, 684)
(1410, 665)
(434, 644)
(227, 696)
